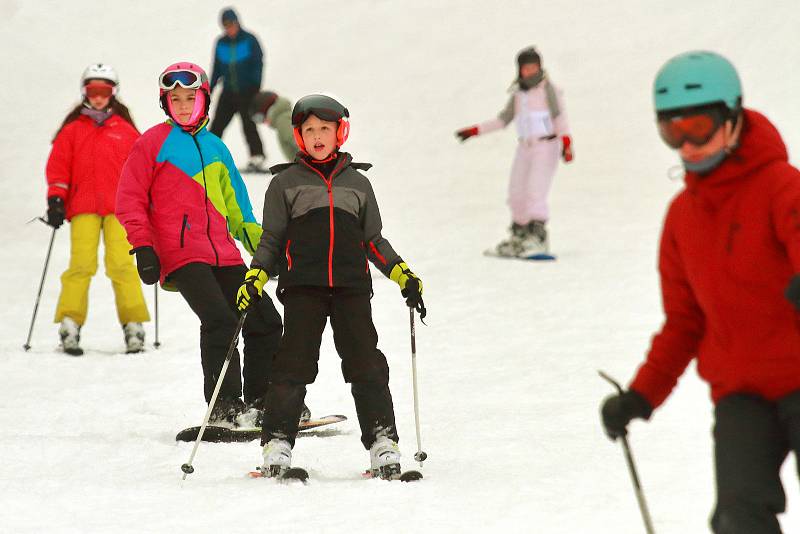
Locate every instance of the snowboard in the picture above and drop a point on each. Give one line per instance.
(221, 434)
(539, 256)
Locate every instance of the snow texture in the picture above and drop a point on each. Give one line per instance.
(509, 391)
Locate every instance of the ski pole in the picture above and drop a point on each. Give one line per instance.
(156, 343)
(637, 486)
(27, 344)
(420, 455)
(187, 467)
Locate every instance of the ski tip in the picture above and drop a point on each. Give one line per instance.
(540, 257)
(410, 476)
(295, 473)
(405, 476)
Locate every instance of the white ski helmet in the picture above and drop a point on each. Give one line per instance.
(99, 71)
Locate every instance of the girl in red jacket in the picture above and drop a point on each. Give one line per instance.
(82, 175)
(729, 252)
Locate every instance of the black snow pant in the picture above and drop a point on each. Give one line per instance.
(752, 437)
(296, 364)
(211, 293)
(228, 105)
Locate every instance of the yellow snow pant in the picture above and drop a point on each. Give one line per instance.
(84, 238)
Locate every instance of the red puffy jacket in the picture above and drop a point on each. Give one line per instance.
(730, 244)
(86, 162)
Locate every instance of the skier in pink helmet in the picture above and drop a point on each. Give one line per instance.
(182, 202)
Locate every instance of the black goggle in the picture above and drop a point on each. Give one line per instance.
(325, 114)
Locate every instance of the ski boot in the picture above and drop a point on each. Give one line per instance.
(70, 333)
(511, 247)
(252, 416)
(384, 456)
(277, 458)
(534, 240)
(134, 337)
(305, 414)
(256, 164)
(226, 411)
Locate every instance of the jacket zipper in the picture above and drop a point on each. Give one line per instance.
(288, 255)
(329, 183)
(183, 227)
(205, 192)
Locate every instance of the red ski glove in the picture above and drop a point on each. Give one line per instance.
(566, 148)
(466, 133)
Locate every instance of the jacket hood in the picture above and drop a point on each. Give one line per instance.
(759, 144)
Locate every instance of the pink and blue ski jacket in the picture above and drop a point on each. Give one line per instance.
(181, 194)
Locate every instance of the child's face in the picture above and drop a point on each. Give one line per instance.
(99, 102)
(98, 94)
(319, 136)
(182, 100)
(527, 70)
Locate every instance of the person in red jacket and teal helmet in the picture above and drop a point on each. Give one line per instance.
(183, 202)
(83, 171)
(729, 254)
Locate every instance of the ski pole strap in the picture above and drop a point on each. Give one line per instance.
(420, 309)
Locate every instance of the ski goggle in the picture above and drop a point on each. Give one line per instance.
(696, 128)
(185, 78)
(97, 88)
(325, 114)
(321, 106)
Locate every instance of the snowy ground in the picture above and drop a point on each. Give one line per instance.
(508, 361)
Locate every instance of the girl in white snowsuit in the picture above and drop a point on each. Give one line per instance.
(537, 108)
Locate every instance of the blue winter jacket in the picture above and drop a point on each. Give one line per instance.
(239, 61)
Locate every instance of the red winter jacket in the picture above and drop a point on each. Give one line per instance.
(86, 162)
(730, 244)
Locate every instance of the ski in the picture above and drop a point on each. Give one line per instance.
(224, 434)
(248, 170)
(405, 476)
(290, 475)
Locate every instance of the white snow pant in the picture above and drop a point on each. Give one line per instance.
(532, 174)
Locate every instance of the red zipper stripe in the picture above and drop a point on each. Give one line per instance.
(330, 249)
(330, 210)
(288, 256)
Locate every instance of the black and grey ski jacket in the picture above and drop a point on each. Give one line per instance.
(320, 231)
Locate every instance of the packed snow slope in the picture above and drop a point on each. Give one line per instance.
(508, 361)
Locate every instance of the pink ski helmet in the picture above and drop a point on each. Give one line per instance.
(189, 76)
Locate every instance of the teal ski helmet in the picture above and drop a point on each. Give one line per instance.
(697, 78)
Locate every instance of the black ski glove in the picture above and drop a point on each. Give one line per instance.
(618, 410)
(55, 211)
(792, 292)
(147, 264)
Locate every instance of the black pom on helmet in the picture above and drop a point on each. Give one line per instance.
(528, 55)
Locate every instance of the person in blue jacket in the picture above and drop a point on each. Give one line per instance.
(239, 62)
